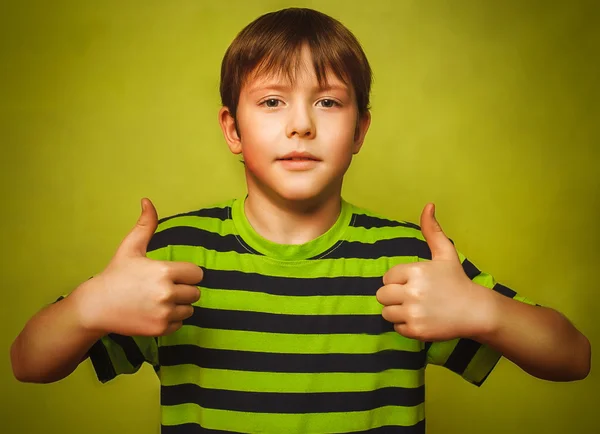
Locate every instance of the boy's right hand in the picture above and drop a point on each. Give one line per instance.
(138, 296)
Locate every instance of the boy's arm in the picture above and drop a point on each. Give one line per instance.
(133, 296)
(53, 342)
(436, 301)
(539, 340)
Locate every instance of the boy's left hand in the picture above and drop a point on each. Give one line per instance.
(434, 300)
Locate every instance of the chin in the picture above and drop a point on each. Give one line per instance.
(296, 189)
(298, 195)
(303, 194)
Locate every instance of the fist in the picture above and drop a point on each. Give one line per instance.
(433, 300)
(138, 296)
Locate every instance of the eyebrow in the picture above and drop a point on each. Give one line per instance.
(287, 87)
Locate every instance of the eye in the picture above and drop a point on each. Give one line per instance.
(329, 103)
(271, 102)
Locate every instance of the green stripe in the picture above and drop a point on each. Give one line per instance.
(524, 300)
(369, 236)
(161, 254)
(439, 352)
(232, 261)
(289, 305)
(484, 279)
(290, 383)
(227, 227)
(247, 422)
(480, 365)
(292, 344)
(117, 357)
(148, 347)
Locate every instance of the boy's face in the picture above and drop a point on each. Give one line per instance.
(297, 141)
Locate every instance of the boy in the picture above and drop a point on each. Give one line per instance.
(290, 335)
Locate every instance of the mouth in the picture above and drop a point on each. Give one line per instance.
(298, 156)
(299, 161)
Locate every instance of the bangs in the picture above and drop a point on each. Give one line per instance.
(272, 46)
(286, 62)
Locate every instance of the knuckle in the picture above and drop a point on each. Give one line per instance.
(164, 294)
(414, 329)
(416, 270)
(416, 292)
(415, 313)
(160, 327)
(163, 270)
(162, 315)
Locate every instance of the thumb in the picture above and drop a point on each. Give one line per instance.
(136, 241)
(441, 247)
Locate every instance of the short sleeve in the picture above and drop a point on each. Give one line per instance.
(116, 354)
(470, 359)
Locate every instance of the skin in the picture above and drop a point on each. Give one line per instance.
(133, 296)
(431, 301)
(435, 300)
(292, 203)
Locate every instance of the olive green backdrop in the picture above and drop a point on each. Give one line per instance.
(490, 109)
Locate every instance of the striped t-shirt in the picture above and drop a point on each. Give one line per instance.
(290, 338)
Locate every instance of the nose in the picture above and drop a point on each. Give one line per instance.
(300, 123)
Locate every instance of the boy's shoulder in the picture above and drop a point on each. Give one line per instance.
(210, 226)
(368, 219)
(220, 210)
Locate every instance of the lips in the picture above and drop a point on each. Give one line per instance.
(299, 156)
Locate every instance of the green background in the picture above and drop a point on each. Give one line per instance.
(490, 109)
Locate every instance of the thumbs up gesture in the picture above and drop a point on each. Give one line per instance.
(434, 300)
(138, 296)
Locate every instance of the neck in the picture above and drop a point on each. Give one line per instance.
(291, 222)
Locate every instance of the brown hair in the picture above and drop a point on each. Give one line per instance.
(272, 44)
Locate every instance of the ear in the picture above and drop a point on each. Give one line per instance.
(228, 126)
(362, 126)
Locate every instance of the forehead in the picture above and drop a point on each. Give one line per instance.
(300, 80)
(298, 70)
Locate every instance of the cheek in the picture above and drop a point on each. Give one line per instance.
(252, 158)
(260, 133)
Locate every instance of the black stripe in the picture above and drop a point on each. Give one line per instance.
(222, 319)
(281, 362)
(419, 428)
(368, 222)
(290, 286)
(217, 213)
(504, 290)
(101, 362)
(290, 403)
(190, 236)
(132, 351)
(192, 428)
(462, 355)
(470, 270)
(99, 357)
(404, 246)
